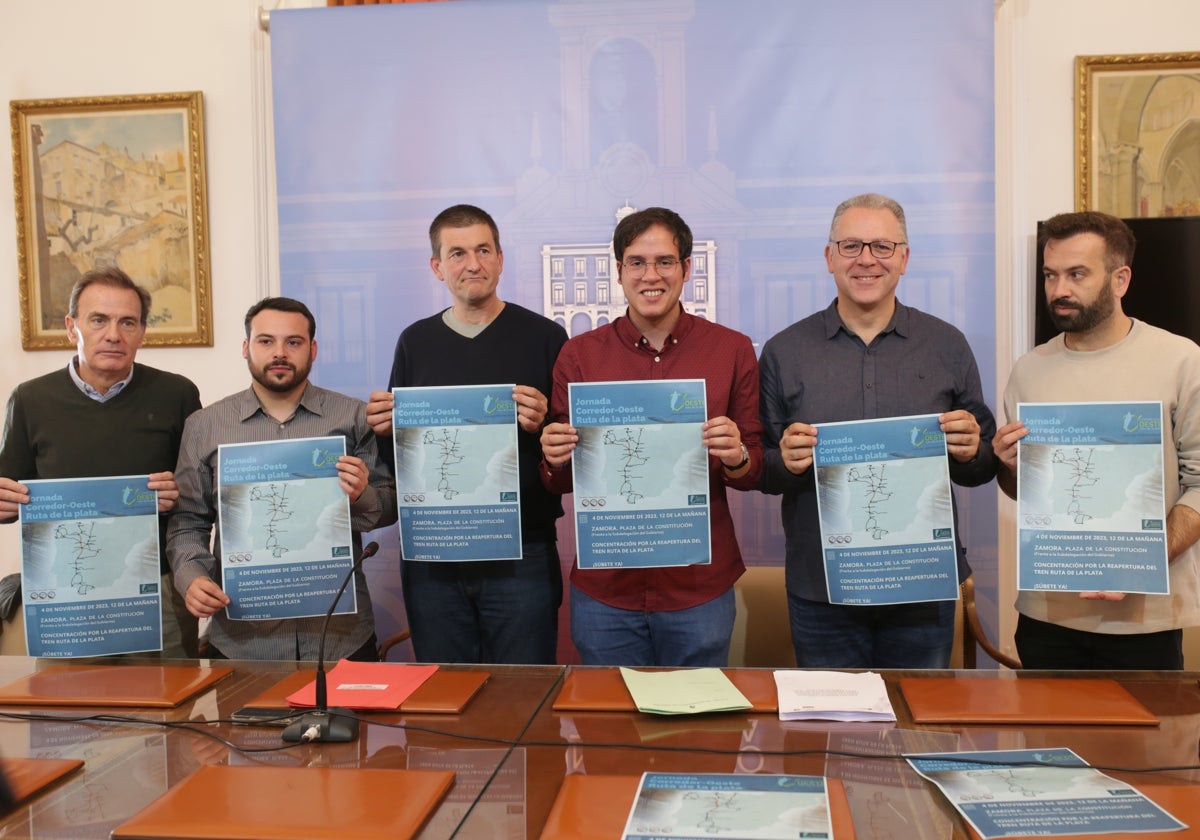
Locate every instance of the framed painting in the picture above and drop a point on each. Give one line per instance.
(1137, 145)
(113, 180)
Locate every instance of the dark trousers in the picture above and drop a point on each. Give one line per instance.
(1051, 647)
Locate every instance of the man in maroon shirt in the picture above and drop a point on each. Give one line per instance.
(683, 615)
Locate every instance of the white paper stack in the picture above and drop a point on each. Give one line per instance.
(832, 695)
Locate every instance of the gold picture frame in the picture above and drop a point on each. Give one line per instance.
(112, 180)
(1137, 134)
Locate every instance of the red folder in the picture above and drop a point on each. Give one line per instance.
(366, 685)
(445, 693)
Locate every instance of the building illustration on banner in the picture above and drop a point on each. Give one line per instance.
(581, 290)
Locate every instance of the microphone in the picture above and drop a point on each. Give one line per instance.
(335, 725)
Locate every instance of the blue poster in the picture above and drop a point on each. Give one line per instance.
(641, 474)
(1090, 505)
(887, 519)
(286, 543)
(734, 806)
(1051, 792)
(457, 481)
(89, 567)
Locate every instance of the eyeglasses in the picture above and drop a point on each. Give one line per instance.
(880, 248)
(636, 266)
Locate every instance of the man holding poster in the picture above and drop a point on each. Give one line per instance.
(671, 615)
(280, 404)
(104, 414)
(865, 357)
(1103, 355)
(494, 610)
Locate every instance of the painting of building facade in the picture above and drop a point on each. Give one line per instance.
(112, 181)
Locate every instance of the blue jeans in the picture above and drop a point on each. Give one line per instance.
(494, 611)
(695, 637)
(892, 636)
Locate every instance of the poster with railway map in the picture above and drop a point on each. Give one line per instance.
(1044, 793)
(887, 516)
(733, 806)
(458, 484)
(1090, 506)
(286, 543)
(89, 567)
(641, 473)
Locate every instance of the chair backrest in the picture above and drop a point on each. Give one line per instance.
(972, 632)
(762, 636)
(390, 642)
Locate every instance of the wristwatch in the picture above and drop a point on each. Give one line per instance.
(745, 460)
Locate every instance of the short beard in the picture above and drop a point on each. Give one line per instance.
(263, 378)
(1085, 318)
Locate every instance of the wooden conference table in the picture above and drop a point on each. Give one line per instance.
(508, 779)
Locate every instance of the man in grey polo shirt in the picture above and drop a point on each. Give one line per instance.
(866, 356)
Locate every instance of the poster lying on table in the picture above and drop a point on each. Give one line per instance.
(286, 544)
(1061, 795)
(887, 518)
(640, 473)
(1090, 504)
(89, 567)
(458, 486)
(737, 806)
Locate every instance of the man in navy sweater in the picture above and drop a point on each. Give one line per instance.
(503, 611)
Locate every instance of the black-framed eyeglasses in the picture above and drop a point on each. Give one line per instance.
(880, 248)
(636, 266)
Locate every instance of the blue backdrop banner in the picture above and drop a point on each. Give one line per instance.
(752, 120)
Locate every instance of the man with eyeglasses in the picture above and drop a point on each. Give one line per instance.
(866, 356)
(104, 415)
(1104, 355)
(678, 616)
(501, 611)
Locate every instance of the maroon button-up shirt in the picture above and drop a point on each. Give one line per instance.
(696, 349)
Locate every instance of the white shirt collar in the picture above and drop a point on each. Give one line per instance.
(92, 393)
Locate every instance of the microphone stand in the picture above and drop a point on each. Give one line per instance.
(335, 725)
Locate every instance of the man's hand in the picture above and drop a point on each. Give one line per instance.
(353, 476)
(13, 494)
(558, 442)
(1183, 531)
(1102, 596)
(723, 440)
(379, 412)
(962, 434)
(532, 406)
(1004, 445)
(164, 484)
(796, 447)
(204, 598)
